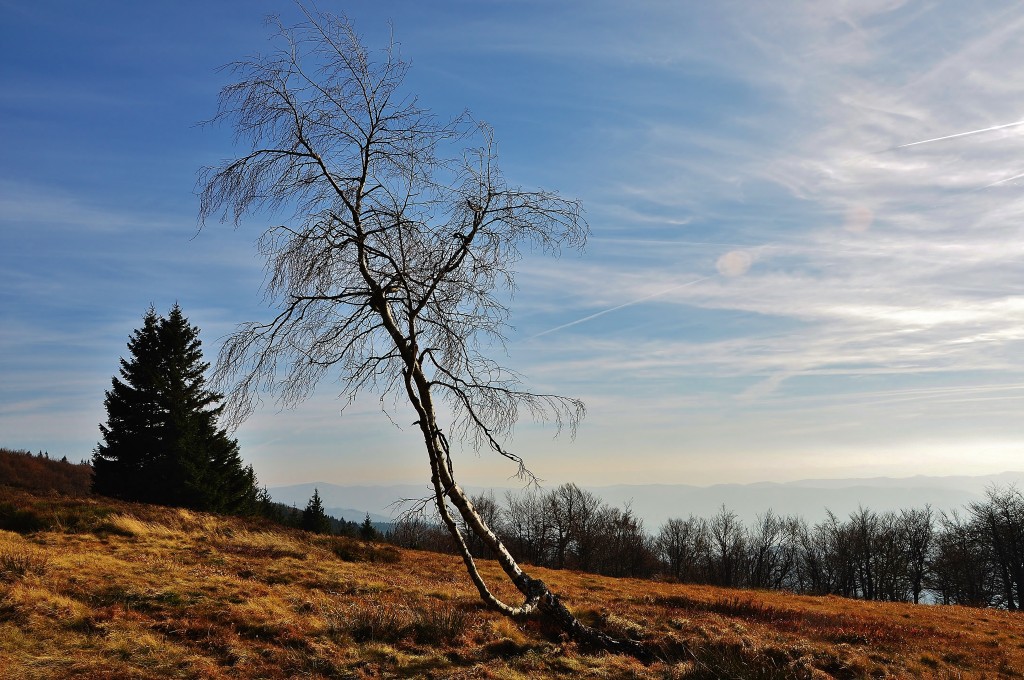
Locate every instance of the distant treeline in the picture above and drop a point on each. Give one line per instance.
(973, 557)
(290, 516)
(38, 472)
(314, 518)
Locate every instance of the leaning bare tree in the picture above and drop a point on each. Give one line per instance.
(391, 271)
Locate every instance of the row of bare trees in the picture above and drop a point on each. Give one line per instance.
(869, 555)
(564, 528)
(570, 528)
(974, 557)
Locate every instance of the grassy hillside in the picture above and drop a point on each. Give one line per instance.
(97, 589)
(24, 470)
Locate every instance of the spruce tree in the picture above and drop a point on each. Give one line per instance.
(162, 443)
(367, 531)
(131, 438)
(313, 517)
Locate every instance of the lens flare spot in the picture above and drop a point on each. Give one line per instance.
(858, 219)
(734, 263)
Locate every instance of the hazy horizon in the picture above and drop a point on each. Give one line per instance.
(656, 503)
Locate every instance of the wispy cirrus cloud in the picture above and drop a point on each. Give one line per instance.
(879, 240)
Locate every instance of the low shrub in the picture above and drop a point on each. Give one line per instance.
(351, 550)
(20, 521)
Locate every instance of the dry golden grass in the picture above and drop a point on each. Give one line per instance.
(97, 589)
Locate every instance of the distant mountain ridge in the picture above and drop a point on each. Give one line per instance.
(357, 516)
(655, 503)
(977, 483)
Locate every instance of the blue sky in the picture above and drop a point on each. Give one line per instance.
(800, 265)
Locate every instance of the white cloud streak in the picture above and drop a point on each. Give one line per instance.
(645, 298)
(961, 134)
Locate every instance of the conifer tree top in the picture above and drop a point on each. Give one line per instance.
(162, 442)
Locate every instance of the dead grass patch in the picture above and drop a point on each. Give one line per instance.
(352, 550)
(112, 590)
(129, 525)
(262, 545)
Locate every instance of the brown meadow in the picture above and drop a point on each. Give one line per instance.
(92, 588)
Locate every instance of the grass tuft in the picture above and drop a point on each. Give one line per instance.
(128, 525)
(14, 565)
(383, 622)
(438, 623)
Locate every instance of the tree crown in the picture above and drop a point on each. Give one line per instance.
(402, 238)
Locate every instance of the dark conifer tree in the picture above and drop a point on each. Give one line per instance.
(162, 443)
(367, 531)
(131, 445)
(313, 517)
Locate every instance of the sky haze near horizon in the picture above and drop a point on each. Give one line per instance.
(807, 229)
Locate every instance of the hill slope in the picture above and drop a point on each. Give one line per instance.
(98, 589)
(35, 473)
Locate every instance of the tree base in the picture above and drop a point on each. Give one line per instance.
(552, 609)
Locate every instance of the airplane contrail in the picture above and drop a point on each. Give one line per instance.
(618, 307)
(1002, 181)
(960, 134)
